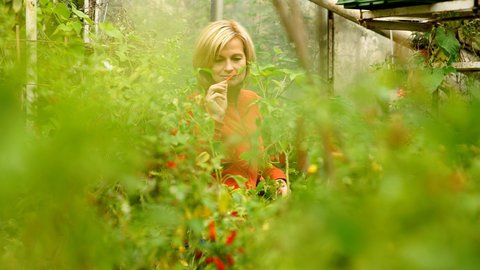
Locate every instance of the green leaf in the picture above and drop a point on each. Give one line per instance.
(76, 26)
(202, 158)
(62, 11)
(81, 15)
(449, 69)
(294, 75)
(271, 70)
(111, 30)
(277, 50)
(433, 78)
(224, 201)
(62, 29)
(448, 42)
(206, 70)
(17, 5)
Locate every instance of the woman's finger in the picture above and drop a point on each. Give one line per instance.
(214, 96)
(217, 91)
(219, 87)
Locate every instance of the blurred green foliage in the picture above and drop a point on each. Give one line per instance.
(116, 172)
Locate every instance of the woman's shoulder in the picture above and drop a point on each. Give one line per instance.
(249, 95)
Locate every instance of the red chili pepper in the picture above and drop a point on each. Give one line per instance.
(173, 131)
(230, 259)
(208, 260)
(218, 263)
(211, 228)
(231, 237)
(230, 77)
(171, 164)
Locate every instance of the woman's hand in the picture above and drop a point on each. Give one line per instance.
(216, 100)
(282, 187)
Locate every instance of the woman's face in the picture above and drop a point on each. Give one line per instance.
(230, 60)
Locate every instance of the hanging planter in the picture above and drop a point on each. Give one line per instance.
(378, 4)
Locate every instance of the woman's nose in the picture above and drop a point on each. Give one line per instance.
(229, 65)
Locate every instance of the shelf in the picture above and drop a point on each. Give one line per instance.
(412, 18)
(438, 11)
(382, 4)
(467, 66)
(398, 24)
(419, 18)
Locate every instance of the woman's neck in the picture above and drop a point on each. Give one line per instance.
(233, 94)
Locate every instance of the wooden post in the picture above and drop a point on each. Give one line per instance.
(392, 48)
(17, 38)
(322, 38)
(216, 10)
(295, 28)
(105, 9)
(97, 14)
(17, 32)
(31, 60)
(331, 51)
(356, 17)
(86, 26)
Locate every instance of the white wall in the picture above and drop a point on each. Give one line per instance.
(355, 50)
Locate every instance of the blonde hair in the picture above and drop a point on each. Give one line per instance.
(213, 39)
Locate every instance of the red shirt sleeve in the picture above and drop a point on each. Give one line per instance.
(274, 173)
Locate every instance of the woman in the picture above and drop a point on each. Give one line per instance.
(222, 55)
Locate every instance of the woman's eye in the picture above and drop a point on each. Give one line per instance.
(218, 60)
(237, 59)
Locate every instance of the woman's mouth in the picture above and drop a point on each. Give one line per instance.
(229, 77)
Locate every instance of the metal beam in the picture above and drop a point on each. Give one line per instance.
(467, 66)
(355, 16)
(349, 14)
(448, 8)
(323, 41)
(86, 25)
(331, 50)
(397, 25)
(292, 19)
(216, 10)
(30, 94)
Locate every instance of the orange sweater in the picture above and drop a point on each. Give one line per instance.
(240, 134)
